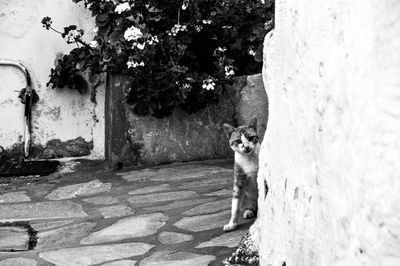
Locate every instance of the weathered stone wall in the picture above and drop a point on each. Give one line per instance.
(61, 114)
(332, 150)
(182, 136)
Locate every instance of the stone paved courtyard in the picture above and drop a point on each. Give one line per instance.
(165, 215)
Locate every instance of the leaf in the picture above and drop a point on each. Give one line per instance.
(154, 10)
(238, 44)
(80, 64)
(101, 17)
(116, 36)
(259, 53)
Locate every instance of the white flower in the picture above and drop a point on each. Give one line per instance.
(133, 64)
(186, 86)
(229, 71)
(141, 45)
(132, 34)
(93, 44)
(122, 8)
(152, 40)
(185, 4)
(198, 28)
(208, 84)
(252, 52)
(96, 29)
(221, 49)
(206, 21)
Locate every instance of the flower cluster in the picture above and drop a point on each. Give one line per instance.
(122, 8)
(176, 29)
(94, 44)
(229, 71)
(46, 22)
(133, 64)
(208, 84)
(176, 53)
(72, 35)
(132, 34)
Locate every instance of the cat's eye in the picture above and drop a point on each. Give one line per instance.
(253, 138)
(238, 141)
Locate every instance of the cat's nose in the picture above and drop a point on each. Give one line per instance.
(247, 149)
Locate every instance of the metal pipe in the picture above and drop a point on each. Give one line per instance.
(29, 91)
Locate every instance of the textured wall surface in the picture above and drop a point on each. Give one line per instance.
(61, 113)
(332, 150)
(182, 136)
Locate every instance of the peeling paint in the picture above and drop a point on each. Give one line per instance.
(60, 113)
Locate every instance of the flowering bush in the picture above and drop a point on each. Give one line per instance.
(174, 53)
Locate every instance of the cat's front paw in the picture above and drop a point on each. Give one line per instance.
(248, 214)
(230, 227)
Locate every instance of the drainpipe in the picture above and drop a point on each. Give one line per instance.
(28, 97)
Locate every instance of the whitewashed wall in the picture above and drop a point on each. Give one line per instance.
(331, 155)
(61, 113)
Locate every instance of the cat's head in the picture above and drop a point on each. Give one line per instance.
(243, 139)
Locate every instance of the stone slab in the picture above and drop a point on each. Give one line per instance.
(120, 263)
(41, 210)
(18, 262)
(168, 238)
(89, 255)
(101, 200)
(178, 204)
(78, 190)
(48, 225)
(131, 227)
(115, 211)
(216, 181)
(210, 207)
(221, 192)
(10, 197)
(174, 173)
(171, 258)
(13, 238)
(165, 196)
(231, 239)
(150, 189)
(204, 222)
(63, 237)
(193, 172)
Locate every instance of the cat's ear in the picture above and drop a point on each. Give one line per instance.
(228, 129)
(253, 123)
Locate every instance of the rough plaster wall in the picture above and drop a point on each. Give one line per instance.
(253, 102)
(331, 153)
(61, 113)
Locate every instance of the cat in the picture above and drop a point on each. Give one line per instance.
(244, 142)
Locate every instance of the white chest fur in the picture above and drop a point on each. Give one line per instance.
(248, 162)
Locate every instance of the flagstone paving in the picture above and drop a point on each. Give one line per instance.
(14, 197)
(173, 238)
(116, 211)
(164, 215)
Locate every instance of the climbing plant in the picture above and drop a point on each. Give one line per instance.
(173, 52)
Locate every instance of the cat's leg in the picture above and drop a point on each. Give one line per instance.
(233, 222)
(237, 193)
(251, 196)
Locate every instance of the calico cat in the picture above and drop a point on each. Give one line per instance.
(244, 142)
